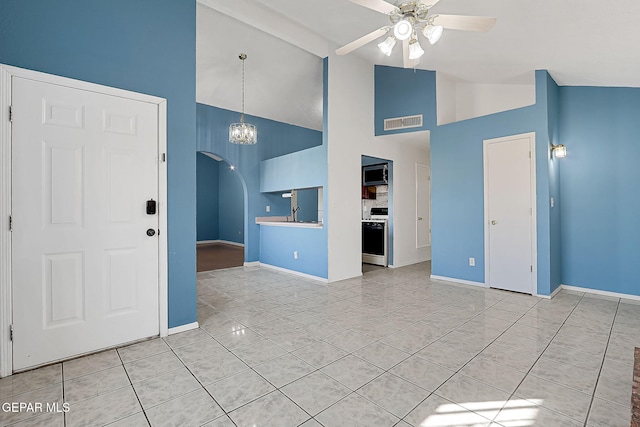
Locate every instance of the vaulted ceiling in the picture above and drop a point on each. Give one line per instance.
(580, 42)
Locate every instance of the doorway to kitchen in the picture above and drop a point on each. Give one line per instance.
(220, 212)
(377, 212)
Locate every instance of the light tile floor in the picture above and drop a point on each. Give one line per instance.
(392, 348)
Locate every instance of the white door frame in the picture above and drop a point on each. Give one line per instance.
(6, 307)
(534, 234)
(418, 166)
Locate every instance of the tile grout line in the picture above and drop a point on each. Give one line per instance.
(604, 356)
(199, 382)
(134, 391)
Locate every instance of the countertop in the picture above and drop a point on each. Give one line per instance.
(285, 221)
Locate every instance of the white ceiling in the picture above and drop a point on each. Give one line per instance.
(580, 42)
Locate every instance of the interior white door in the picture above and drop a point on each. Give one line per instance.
(423, 217)
(509, 214)
(84, 269)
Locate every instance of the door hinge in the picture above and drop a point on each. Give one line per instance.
(10, 223)
(531, 268)
(164, 157)
(10, 113)
(529, 154)
(10, 332)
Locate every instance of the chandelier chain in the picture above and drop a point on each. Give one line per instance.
(242, 57)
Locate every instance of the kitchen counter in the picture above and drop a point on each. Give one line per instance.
(374, 220)
(285, 221)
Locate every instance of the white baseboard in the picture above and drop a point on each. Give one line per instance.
(183, 328)
(454, 280)
(295, 273)
(226, 242)
(252, 264)
(599, 292)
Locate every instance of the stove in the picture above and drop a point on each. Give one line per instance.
(379, 213)
(374, 237)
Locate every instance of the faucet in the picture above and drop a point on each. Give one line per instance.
(294, 211)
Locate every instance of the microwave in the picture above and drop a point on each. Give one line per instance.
(375, 174)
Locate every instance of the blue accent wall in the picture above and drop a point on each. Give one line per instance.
(277, 245)
(146, 46)
(274, 139)
(457, 193)
(207, 198)
(231, 205)
(553, 120)
(600, 176)
(403, 92)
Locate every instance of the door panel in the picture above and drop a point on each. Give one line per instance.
(508, 175)
(85, 273)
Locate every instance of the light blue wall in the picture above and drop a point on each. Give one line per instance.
(207, 198)
(277, 245)
(231, 205)
(600, 177)
(403, 92)
(555, 253)
(457, 199)
(457, 193)
(308, 203)
(145, 46)
(274, 139)
(302, 169)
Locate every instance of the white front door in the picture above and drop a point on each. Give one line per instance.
(84, 270)
(423, 217)
(509, 213)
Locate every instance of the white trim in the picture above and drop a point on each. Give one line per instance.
(226, 242)
(534, 214)
(420, 165)
(295, 273)
(6, 73)
(454, 280)
(163, 226)
(252, 264)
(183, 328)
(599, 292)
(6, 347)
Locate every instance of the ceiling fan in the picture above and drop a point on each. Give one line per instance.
(408, 20)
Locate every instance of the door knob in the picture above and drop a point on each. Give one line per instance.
(419, 218)
(151, 232)
(494, 222)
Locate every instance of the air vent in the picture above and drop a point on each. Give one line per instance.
(403, 122)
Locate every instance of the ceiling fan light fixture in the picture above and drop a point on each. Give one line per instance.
(415, 50)
(433, 33)
(387, 46)
(403, 29)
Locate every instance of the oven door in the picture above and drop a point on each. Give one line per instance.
(373, 238)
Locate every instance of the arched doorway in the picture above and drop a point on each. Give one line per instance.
(220, 213)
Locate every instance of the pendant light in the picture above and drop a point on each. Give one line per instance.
(243, 133)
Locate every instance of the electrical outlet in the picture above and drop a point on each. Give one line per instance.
(268, 208)
(295, 254)
(472, 262)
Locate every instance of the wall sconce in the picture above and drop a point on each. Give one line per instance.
(559, 150)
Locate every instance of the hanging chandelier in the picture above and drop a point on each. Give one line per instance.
(243, 133)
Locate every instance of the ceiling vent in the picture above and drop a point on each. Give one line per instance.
(403, 122)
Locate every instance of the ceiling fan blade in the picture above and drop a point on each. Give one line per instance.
(348, 48)
(465, 23)
(429, 3)
(377, 5)
(406, 62)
